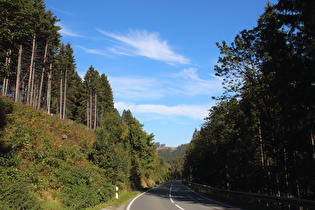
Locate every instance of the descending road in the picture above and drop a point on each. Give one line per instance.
(173, 196)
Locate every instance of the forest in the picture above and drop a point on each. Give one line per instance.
(174, 157)
(259, 137)
(62, 142)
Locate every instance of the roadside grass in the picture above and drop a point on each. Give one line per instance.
(122, 199)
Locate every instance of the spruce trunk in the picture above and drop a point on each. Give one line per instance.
(65, 97)
(60, 105)
(29, 90)
(42, 78)
(49, 89)
(95, 111)
(87, 115)
(91, 102)
(32, 86)
(18, 73)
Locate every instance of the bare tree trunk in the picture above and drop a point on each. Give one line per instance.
(35, 96)
(95, 110)
(87, 115)
(3, 84)
(65, 97)
(91, 107)
(261, 145)
(49, 89)
(7, 65)
(42, 79)
(29, 90)
(23, 92)
(60, 106)
(32, 87)
(18, 73)
(313, 143)
(2, 88)
(6, 87)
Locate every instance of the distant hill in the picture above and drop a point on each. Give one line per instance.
(175, 157)
(166, 148)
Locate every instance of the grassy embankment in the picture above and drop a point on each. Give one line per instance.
(44, 162)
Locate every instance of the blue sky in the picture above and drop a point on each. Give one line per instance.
(158, 55)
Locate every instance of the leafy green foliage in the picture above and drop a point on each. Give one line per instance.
(81, 187)
(125, 151)
(36, 160)
(15, 191)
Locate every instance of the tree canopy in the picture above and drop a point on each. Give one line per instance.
(259, 137)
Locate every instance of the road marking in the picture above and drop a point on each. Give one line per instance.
(170, 196)
(133, 200)
(179, 207)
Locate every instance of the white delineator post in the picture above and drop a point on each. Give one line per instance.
(116, 192)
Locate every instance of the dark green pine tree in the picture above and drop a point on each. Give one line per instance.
(268, 69)
(91, 83)
(105, 98)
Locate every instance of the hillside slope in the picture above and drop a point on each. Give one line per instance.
(44, 162)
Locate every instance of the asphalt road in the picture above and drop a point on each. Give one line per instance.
(173, 196)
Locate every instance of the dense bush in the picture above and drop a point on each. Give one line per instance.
(15, 190)
(81, 187)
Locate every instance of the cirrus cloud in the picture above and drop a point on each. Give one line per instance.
(146, 44)
(194, 112)
(66, 31)
(184, 83)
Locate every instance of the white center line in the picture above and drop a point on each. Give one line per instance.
(170, 196)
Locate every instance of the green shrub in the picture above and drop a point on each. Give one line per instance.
(15, 192)
(81, 188)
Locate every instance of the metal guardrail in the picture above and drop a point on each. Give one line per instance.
(270, 199)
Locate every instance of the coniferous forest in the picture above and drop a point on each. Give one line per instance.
(62, 142)
(259, 137)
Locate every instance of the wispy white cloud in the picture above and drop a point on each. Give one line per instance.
(194, 112)
(186, 82)
(61, 11)
(94, 51)
(136, 88)
(190, 83)
(65, 31)
(146, 44)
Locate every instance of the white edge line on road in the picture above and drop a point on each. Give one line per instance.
(133, 200)
(128, 207)
(179, 207)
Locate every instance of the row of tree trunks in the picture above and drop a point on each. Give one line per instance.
(29, 87)
(42, 78)
(6, 80)
(89, 112)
